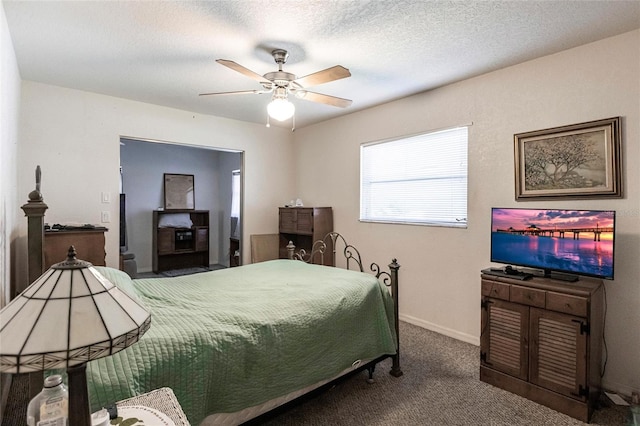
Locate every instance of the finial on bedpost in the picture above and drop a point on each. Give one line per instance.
(396, 371)
(291, 248)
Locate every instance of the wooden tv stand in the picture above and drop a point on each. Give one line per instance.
(542, 339)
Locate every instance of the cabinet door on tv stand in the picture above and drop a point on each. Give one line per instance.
(559, 353)
(504, 337)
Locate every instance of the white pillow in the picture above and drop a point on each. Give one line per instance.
(175, 220)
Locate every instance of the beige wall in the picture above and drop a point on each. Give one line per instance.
(440, 286)
(75, 137)
(9, 101)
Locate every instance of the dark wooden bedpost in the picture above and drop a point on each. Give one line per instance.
(34, 210)
(396, 371)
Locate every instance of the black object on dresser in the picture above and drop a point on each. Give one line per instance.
(182, 242)
(542, 339)
(303, 226)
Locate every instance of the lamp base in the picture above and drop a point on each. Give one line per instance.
(79, 414)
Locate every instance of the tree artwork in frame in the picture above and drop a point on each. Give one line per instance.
(178, 192)
(576, 161)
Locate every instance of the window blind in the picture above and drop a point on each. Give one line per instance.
(235, 204)
(418, 179)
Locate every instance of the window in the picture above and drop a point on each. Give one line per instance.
(421, 179)
(235, 204)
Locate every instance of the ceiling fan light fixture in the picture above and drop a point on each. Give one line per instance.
(281, 109)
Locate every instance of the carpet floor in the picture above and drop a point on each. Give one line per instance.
(440, 386)
(179, 272)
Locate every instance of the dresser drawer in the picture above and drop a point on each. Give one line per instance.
(574, 305)
(528, 296)
(495, 289)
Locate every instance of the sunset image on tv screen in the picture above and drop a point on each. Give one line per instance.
(572, 241)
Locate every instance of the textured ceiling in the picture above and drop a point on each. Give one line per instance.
(163, 52)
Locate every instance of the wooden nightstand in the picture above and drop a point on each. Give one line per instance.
(163, 400)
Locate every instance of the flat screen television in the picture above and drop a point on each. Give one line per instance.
(558, 243)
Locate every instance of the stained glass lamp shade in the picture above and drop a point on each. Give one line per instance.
(70, 315)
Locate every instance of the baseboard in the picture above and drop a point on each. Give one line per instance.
(619, 388)
(5, 387)
(474, 340)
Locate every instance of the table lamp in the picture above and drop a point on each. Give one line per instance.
(70, 315)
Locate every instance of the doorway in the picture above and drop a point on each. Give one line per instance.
(143, 165)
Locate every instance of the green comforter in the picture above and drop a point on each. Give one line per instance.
(233, 338)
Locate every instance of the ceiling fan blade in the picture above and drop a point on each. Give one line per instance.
(330, 74)
(241, 92)
(323, 99)
(242, 70)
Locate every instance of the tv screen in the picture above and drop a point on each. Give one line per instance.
(579, 242)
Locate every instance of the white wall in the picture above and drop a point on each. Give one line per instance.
(440, 267)
(75, 137)
(9, 102)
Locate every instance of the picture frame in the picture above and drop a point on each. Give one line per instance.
(179, 192)
(577, 161)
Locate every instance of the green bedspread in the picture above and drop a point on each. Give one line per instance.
(233, 338)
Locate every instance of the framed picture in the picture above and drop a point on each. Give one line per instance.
(178, 192)
(577, 161)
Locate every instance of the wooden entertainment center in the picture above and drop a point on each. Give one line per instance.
(179, 247)
(541, 338)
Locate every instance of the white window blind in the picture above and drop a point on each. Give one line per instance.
(235, 193)
(235, 204)
(419, 179)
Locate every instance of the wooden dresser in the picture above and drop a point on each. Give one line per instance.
(542, 339)
(89, 244)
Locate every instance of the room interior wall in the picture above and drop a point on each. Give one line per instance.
(440, 267)
(10, 99)
(75, 137)
(143, 167)
(9, 103)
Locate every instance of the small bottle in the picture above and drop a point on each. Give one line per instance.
(51, 406)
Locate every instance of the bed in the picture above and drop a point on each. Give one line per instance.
(238, 342)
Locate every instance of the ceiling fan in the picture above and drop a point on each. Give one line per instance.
(282, 83)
